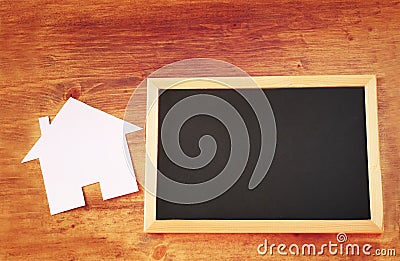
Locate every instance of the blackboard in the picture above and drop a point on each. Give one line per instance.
(320, 170)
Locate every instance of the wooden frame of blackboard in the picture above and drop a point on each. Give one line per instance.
(373, 225)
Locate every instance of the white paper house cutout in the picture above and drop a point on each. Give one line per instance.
(82, 146)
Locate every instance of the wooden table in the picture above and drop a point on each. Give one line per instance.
(99, 51)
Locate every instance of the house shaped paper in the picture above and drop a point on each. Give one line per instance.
(82, 146)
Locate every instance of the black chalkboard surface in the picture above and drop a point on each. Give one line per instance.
(320, 166)
(324, 176)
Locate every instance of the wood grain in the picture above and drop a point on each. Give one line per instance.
(99, 51)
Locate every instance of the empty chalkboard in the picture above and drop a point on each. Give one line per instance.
(324, 175)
